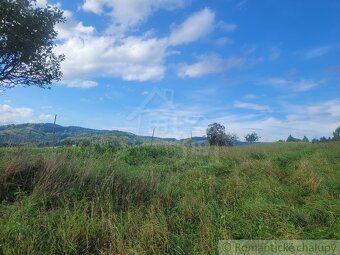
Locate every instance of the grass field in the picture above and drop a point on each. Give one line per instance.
(165, 199)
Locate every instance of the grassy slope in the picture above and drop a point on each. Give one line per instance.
(165, 199)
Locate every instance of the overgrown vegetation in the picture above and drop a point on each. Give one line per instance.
(165, 199)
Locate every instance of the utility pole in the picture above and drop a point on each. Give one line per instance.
(153, 134)
(55, 120)
(191, 138)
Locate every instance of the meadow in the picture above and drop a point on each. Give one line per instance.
(165, 199)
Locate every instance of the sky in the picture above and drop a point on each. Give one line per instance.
(265, 66)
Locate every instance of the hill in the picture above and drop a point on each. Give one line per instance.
(44, 134)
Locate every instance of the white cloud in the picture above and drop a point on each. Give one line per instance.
(46, 117)
(318, 52)
(94, 6)
(82, 84)
(133, 58)
(222, 41)
(295, 85)
(129, 14)
(250, 96)
(329, 108)
(89, 55)
(72, 27)
(312, 120)
(41, 3)
(251, 106)
(208, 64)
(195, 27)
(9, 114)
(227, 27)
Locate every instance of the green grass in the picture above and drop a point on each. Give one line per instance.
(165, 199)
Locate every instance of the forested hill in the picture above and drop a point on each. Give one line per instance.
(42, 134)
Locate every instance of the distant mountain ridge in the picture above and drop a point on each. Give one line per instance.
(41, 134)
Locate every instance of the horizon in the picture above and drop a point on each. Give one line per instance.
(178, 66)
(238, 138)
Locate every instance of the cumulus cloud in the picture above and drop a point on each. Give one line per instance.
(195, 27)
(9, 114)
(209, 64)
(133, 58)
(90, 55)
(72, 27)
(129, 14)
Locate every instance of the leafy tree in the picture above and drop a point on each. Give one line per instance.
(292, 139)
(216, 135)
(252, 137)
(230, 139)
(336, 134)
(323, 139)
(27, 37)
(315, 140)
(305, 139)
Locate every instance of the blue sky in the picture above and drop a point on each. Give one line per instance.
(267, 66)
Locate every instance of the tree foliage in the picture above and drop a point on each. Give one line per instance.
(305, 139)
(336, 134)
(292, 139)
(252, 137)
(216, 135)
(27, 35)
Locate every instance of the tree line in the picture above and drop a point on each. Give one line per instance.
(323, 139)
(217, 136)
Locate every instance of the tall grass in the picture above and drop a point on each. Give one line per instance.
(165, 199)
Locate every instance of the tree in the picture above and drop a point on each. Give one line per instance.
(216, 135)
(315, 140)
(230, 139)
(252, 137)
(336, 134)
(323, 139)
(305, 139)
(292, 139)
(27, 37)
